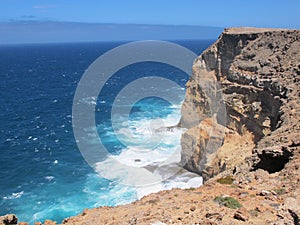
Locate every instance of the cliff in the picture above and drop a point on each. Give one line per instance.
(251, 120)
(241, 113)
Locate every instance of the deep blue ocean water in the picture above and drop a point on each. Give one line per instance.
(42, 173)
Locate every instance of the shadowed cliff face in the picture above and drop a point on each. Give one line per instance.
(257, 73)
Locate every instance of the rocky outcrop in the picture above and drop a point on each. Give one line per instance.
(252, 199)
(9, 219)
(247, 85)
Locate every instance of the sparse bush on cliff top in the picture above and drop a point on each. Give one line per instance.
(229, 202)
(280, 191)
(225, 180)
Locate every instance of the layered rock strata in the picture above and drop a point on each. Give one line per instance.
(248, 116)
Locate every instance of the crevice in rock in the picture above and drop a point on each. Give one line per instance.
(295, 217)
(271, 107)
(273, 162)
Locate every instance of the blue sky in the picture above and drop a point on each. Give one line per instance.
(262, 13)
(219, 13)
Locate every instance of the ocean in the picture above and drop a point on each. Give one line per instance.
(43, 174)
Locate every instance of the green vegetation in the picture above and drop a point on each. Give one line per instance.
(191, 189)
(280, 191)
(229, 202)
(225, 180)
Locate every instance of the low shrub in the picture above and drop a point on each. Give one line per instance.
(225, 180)
(280, 191)
(229, 202)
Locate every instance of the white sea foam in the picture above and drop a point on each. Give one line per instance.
(89, 100)
(14, 195)
(150, 162)
(49, 178)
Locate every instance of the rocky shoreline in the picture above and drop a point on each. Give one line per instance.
(243, 138)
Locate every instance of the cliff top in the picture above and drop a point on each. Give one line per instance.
(249, 30)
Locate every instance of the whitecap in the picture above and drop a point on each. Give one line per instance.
(14, 195)
(89, 100)
(49, 178)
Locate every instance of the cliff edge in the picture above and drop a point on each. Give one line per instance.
(255, 76)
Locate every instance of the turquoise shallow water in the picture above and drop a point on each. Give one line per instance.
(43, 174)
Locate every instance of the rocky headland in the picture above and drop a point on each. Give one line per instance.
(241, 113)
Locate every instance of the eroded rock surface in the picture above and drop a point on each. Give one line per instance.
(257, 71)
(9, 219)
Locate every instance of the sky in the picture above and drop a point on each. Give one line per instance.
(217, 13)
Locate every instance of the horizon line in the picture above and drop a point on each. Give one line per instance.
(106, 23)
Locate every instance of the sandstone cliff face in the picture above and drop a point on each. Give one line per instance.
(247, 85)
